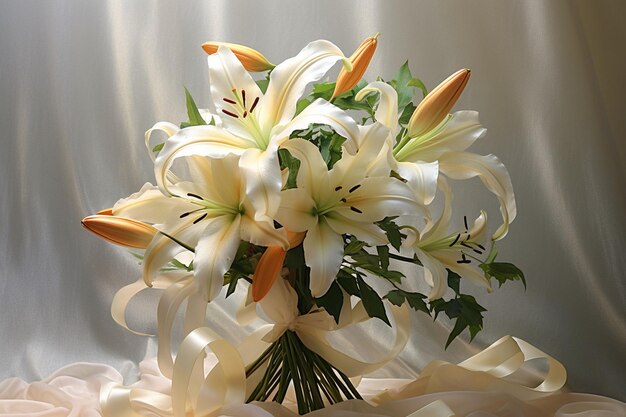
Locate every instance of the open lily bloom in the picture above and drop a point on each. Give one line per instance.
(443, 149)
(210, 215)
(253, 125)
(439, 249)
(348, 199)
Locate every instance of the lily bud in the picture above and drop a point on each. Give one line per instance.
(437, 104)
(120, 230)
(270, 265)
(360, 59)
(252, 60)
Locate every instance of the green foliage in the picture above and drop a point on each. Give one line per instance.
(263, 83)
(332, 301)
(326, 139)
(292, 164)
(463, 308)
(414, 299)
(195, 119)
(372, 302)
(392, 231)
(503, 272)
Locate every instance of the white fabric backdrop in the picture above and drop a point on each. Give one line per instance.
(80, 81)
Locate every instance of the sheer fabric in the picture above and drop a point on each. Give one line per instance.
(80, 81)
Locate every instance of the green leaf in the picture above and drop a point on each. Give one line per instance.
(400, 83)
(330, 148)
(503, 272)
(332, 301)
(232, 283)
(407, 112)
(396, 297)
(348, 282)
(287, 161)
(371, 301)
(263, 83)
(416, 82)
(353, 247)
(323, 90)
(195, 119)
(383, 256)
(459, 326)
(416, 301)
(454, 281)
(392, 231)
(302, 104)
(157, 148)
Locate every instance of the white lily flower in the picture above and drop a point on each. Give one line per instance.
(443, 149)
(348, 199)
(438, 249)
(210, 214)
(253, 125)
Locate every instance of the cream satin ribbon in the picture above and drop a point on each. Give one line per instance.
(484, 371)
(198, 391)
(280, 306)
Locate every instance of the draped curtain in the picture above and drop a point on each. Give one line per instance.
(81, 80)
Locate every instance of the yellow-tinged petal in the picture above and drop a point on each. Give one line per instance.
(120, 230)
(106, 212)
(437, 104)
(251, 59)
(360, 59)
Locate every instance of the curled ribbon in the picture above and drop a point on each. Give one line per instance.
(201, 390)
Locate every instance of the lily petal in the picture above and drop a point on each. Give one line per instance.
(227, 79)
(421, 178)
(493, 174)
(263, 233)
(151, 206)
(459, 133)
(215, 253)
(387, 108)
(323, 253)
(211, 141)
(368, 161)
(296, 210)
(289, 79)
(313, 173)
(263, 181)
(435, 274)
(366, 232)
(378, 198)
(162, 249)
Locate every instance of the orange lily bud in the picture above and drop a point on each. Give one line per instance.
(437, 104)
(106, 212)
(120, 230)
(360, 59)
(270, 265)
(252, 60)
(267, 270)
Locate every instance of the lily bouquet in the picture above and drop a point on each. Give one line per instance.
(320, 201)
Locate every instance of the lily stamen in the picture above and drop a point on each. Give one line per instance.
(356, 187)
(231, 114)
(199, 219)
(254, 103)
(356, 210)
(195, 196)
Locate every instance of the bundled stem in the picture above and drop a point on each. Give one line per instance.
(288, 362)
